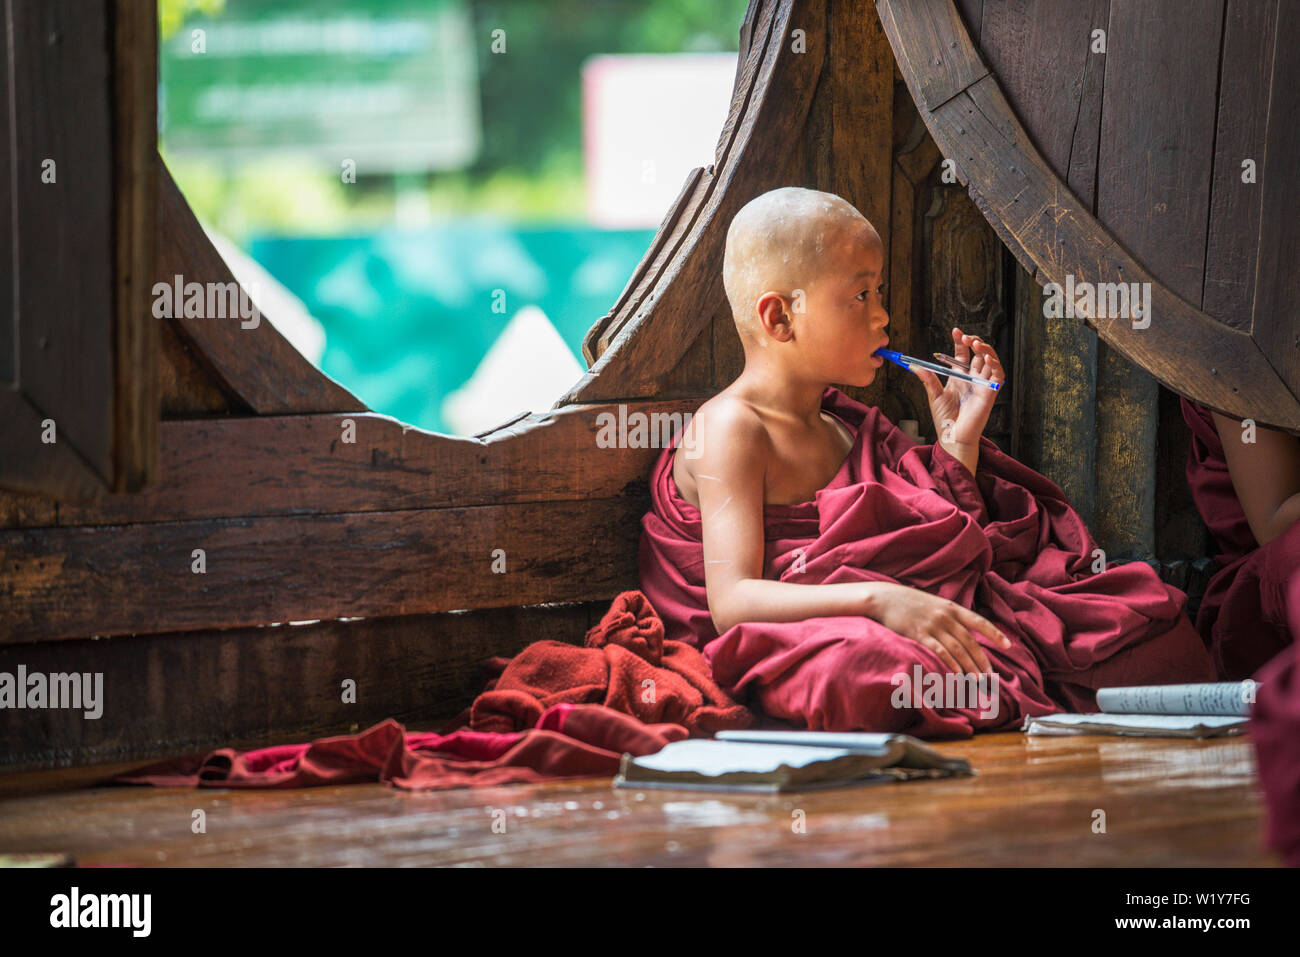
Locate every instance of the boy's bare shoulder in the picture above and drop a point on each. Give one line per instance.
(725, 435)
(727, 427)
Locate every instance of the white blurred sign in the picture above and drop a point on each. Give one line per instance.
(648, 120)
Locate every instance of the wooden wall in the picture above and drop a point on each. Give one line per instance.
(383, 543)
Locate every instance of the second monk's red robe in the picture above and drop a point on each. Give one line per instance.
(1004, 542)
(1243, 616)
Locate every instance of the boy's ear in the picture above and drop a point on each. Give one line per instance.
(774, 317)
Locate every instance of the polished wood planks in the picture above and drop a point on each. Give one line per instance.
(1166, 802)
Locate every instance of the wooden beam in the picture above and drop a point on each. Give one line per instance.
(237, 467)
(113, 580)
(176, 693)
(935, 67)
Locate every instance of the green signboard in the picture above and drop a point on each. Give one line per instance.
(391, 85)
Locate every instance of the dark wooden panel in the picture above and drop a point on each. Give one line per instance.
(1126, 419)
(1276, 315)
(728, 354)
(19, 510)
(1055, 378)
(175, 693)
(812, 157)
(860, 69)
(1232, 248)
(107, 580)
(896, 391)
(691, 376)
(1154, 174)
(1179, 529)
(235, 467)
(962, 285)
(62, 83)
(33, 467)
(135, 168)
(972, 14)
(8, 263)
(1041, 53)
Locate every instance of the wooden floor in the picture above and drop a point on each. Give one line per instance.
(1166, 802)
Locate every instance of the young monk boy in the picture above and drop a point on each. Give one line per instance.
(831, 568)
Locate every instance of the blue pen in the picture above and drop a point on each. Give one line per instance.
(908, 361)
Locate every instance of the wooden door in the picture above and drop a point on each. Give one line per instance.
(1142, 141)
(78, 346)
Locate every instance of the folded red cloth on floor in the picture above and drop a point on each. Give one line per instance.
(1004, 542)
(1243, 617)
(556, 710)
(625, 664)
(568, 741)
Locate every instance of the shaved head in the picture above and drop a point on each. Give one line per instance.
(779, 242)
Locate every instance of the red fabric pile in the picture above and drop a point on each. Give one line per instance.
(556, 710)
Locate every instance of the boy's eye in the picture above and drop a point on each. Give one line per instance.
(880, 290)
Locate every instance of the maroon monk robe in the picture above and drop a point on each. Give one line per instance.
(1275, 732)
(1243, 616)
(1004, 542)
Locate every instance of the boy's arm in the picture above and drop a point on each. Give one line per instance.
(729, 475)
(1265, 475)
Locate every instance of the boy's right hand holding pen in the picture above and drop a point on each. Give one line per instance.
(960, 409)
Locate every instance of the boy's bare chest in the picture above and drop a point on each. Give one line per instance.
(800, 465)
(804, 464)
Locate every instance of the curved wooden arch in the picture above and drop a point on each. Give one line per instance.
(677, 286)
(1052, 232)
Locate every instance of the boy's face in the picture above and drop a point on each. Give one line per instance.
(844, 320)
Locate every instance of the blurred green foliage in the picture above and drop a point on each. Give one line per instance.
(530, 167)
(172, 13)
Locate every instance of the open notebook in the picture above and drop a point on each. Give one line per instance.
(779, 761)
(1158, 711)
